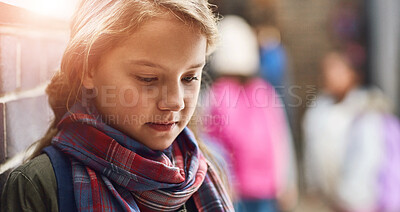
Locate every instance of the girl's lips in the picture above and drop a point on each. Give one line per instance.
(161, 126)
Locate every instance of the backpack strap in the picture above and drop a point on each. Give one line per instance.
(63, 172)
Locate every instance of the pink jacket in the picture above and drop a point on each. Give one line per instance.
(249, 122)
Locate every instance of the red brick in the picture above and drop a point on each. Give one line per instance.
(3, 154)
(33, 62)
(53, 51)
(27, 121)
(8, 63)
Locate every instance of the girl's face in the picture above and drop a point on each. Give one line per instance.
(149, 85)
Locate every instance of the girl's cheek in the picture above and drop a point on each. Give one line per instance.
(129, 97)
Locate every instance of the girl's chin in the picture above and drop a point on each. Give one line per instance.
(160, 141)
(160, 146)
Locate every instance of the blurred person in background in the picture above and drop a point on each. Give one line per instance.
(345, 136)
(273, 58)
(274, 63)
(254, 133)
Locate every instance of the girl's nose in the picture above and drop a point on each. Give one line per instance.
(172, 98)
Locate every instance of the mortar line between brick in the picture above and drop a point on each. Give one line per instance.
(16, 160)
(35, 92)
(12, 162)
(18, 66)
(4, 131)
(60, 35)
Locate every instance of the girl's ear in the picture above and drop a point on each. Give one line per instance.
(88, 81)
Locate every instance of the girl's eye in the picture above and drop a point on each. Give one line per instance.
(146, 79)
(190, 79)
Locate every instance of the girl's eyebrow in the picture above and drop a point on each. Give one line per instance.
(155, 65)
(145, 63)
(198, 65)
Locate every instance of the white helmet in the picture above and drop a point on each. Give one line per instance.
(238, 52)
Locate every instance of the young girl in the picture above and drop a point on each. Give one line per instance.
(127, 88)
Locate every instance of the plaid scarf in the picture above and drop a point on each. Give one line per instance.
(113, 172)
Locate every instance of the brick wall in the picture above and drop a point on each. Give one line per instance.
(305, 33)
(31, 48)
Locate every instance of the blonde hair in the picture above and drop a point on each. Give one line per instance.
(98, 26)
